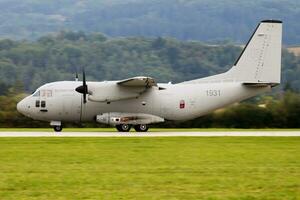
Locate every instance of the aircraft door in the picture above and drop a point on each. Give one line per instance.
(71, 108)
(43, 102)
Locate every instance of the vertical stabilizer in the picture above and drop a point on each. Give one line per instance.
(260, 60)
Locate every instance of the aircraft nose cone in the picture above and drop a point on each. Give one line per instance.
(21, 107)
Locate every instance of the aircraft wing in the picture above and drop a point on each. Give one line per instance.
(139, 81)
(120, 90)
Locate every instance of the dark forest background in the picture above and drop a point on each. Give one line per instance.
(204, 20)
(170, 40)
(25, 65)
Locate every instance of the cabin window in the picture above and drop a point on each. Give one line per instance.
(43, 104)
(37, 103)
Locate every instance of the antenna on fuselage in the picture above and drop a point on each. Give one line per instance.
(76, 76)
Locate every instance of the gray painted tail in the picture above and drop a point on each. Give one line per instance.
(260, 60)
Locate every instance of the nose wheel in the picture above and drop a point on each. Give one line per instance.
(57, 128)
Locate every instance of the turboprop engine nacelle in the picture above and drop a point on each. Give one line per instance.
(114, 118)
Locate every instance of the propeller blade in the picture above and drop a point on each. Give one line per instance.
(83, 89)
(83, 77)
(84, 98)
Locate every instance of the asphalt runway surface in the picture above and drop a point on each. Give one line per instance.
(154, 134)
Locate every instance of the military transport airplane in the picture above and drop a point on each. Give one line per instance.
(140, 101)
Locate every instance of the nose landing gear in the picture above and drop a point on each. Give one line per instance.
(57, 128)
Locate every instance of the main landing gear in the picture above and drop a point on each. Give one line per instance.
(127, 127)
(123, 127)
(141, 128)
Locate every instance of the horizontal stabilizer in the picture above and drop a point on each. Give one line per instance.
(261, 84)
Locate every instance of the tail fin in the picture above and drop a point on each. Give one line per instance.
(260, 60)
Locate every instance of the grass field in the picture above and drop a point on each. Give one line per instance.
(209, 168)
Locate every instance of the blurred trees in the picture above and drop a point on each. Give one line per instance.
(205, 20)
(25, 65)
(58, 57)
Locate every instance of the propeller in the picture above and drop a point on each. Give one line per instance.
(83, 89)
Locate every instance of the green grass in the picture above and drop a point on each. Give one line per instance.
(151, 129)
(209, 168)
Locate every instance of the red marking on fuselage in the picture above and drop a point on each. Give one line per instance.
(182, 104)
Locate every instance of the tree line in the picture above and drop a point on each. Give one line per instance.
(205, 20)
(60, 56)
(25, 65)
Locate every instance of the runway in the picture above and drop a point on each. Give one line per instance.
(155, 134)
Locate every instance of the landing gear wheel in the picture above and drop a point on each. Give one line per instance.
(123, 127)
(57, 128)
(141, 128)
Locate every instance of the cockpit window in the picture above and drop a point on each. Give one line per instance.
(36, 94)
(42, 93)
(46, 93)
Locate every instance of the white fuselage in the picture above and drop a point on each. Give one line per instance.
(58, 101)
(139, 100)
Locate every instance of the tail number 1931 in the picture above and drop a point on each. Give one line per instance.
(213, 93)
